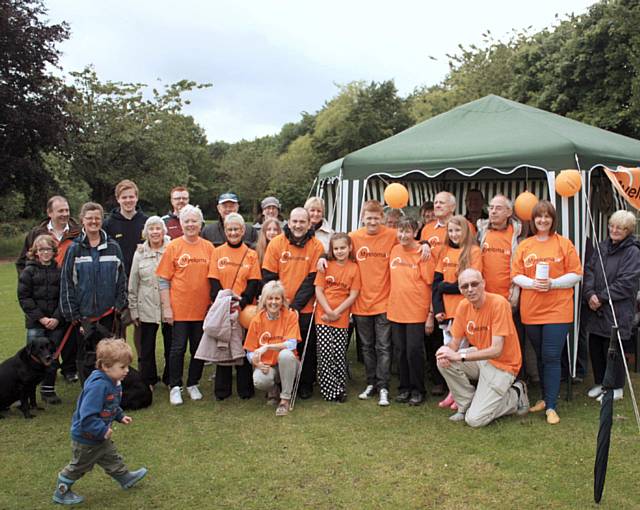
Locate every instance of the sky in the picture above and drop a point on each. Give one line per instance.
(270, 60)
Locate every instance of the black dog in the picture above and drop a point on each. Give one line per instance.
(135, 393)
(20, 374)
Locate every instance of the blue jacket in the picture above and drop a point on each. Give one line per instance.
(98, 405)
(93, 279)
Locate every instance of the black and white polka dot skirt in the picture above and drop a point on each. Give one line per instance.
(332, 361)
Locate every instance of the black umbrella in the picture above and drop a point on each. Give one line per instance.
(606, 418)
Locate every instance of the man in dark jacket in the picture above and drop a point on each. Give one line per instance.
(58, 224)
(63, 229)
(179, 198)
(214, 232)
(125, 223)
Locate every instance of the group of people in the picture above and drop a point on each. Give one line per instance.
(452, 296)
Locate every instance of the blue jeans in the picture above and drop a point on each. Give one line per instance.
(548, 340)
(375, 335)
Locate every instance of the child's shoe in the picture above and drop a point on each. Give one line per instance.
(63, 493)
(130, 478)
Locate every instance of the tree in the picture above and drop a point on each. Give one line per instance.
(359, 116)
(33, 117)
(121, 134)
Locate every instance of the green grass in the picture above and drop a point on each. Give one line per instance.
(10, 246)
(237, 454)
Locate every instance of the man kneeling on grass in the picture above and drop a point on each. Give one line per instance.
(493, 360)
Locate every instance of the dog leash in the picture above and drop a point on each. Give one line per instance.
(73, 324)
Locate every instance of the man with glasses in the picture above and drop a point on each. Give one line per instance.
(179, 198)
(493, 358)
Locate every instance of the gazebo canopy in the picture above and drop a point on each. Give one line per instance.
(490, 132)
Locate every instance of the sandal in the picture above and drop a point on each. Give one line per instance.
(283, 408)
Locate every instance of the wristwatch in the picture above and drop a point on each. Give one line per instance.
(463, 356)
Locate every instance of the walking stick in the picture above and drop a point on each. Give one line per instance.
(296, 382)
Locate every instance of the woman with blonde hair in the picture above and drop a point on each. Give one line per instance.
(271, 346)
(321, 227)
(271, 227)
(459, 252)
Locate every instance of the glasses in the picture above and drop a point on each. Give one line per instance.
(179, 198)
(470, 285)
(617, 227)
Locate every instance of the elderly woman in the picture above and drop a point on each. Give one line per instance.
(546, 267)
(621, 260)
(271, 346)
(144, 299)
(323, 232)
(235, 266)
(185, 296)
(93, 283)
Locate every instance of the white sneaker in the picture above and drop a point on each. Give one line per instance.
(384, 398)
(595, 392)
(618, 394)
(194, 392)
(368, 392)
(175, 396)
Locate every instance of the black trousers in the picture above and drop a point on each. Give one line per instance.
(598, 346)
(224, 381)
(309, 367)
(433, 343)
(408, 339)
(185, 332)
(148, 366)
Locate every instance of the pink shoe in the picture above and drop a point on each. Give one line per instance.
(447, 401)
(454, 407)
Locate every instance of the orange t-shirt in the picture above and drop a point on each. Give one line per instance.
(448, 265)
(556, 305)
(372, 255)
(293, 264)
(493, 318)
(435, 235)
(186, 265)
(263, 331)
(337, 282)
(225, 263)
(411, 279)
(496, 261)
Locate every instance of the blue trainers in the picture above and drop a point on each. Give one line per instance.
(63, 493)
(130, 478)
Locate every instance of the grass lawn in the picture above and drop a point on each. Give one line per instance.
(237, 454)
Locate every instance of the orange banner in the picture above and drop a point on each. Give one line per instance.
(627, 182)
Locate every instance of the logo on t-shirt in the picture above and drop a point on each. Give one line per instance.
(225, 261)
(446, 262)
(185, 259)
(397, 261)
(330, 279)
(364, 253)
(434, 241)
(472, 328)
(487, 248)
(266, 338)
(532, 259)
(286, 256)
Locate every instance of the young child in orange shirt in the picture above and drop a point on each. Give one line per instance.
(336, 290)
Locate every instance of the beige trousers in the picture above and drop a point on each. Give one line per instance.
(284, 373)
(491, 398)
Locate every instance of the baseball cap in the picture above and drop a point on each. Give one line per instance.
(270, 201)
(228, 197)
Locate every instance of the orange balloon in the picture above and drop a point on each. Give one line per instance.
(524, 204)
(247, 313)
(568, 183)
(396, 195)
